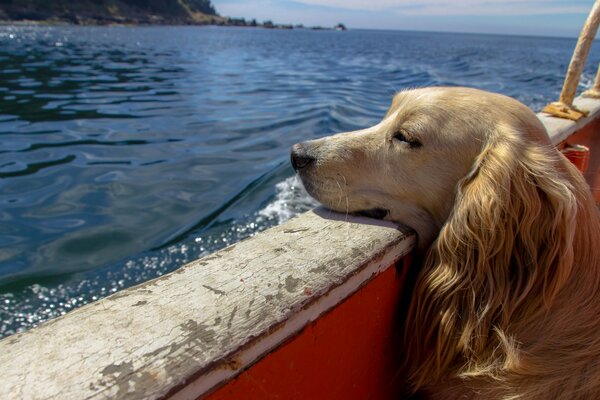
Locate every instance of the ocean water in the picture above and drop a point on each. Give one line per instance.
(128, 151)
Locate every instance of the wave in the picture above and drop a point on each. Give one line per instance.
(291, 199)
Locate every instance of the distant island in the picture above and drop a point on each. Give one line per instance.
(127, 12)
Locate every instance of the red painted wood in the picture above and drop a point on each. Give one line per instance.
(579, 155)
(590, 136)
(349, 353)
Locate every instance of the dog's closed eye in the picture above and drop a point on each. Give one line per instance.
(402, 136)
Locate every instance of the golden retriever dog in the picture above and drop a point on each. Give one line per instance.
(506, 304)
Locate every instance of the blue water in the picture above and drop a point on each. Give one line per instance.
(125, 152)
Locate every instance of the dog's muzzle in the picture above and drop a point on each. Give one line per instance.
(300, 157)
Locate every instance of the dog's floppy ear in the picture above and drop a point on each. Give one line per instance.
(502, 256)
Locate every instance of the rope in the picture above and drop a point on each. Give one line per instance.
(564, 107)
(595, 91)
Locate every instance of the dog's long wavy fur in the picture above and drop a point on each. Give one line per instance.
(507, 305)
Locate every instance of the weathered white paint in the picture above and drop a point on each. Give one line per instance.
(186, 332)
(205, 322)
(301, 318)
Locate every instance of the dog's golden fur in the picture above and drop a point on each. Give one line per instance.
(507, 303)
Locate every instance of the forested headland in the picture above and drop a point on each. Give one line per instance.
(126, 12)
(98, 12)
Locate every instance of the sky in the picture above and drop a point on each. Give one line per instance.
(517, 17)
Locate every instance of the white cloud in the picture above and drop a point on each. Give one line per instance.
(528, 17)
(456, 7)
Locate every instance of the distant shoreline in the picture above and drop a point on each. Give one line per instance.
(218, 21)
(4, 22)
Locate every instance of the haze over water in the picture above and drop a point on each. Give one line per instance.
(127, 151)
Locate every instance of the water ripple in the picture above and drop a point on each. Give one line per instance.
(33, 168)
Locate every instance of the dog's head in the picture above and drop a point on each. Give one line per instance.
(407, 167)
(504, 218)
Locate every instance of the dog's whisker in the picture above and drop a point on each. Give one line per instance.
(347, 208)
(345, 196)
(341, 192)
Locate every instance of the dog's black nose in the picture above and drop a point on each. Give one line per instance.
(300, 157)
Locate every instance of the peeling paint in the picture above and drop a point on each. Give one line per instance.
(158, 351)
(296, 230)
(249, 308)
(232, 316)
(317, 270)
(232, 364)
(115, 370)
(291, 283)
(212, 289)
(206, 335)
(339, 262)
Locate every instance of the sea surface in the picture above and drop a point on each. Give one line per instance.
(128, 151)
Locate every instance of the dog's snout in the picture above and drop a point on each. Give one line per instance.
(300, 157)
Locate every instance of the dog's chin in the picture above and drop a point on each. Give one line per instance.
(375, 213)
(309, 185)
(311, 188)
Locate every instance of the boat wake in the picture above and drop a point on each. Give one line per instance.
(291, 199)
(24, 306)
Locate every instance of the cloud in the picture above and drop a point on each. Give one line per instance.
(459, 7)
(528, 17)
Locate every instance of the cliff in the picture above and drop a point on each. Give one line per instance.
(112, 11)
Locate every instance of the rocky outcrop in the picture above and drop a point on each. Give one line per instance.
(112, 11)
